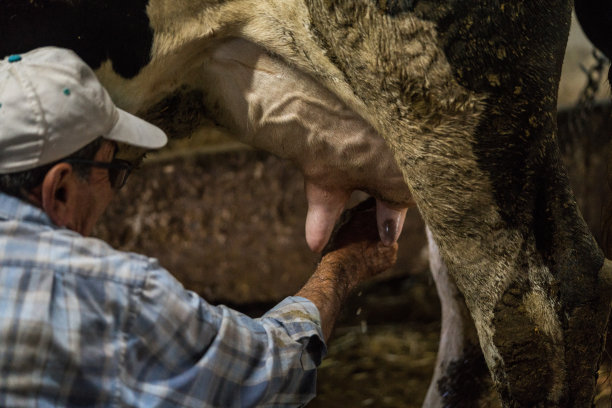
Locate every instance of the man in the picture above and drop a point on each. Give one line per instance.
(82, 324)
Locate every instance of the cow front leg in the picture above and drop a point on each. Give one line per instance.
(461, 377)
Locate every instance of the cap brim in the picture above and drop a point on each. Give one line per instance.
(134, 131)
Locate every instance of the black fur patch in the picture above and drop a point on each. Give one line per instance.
(466, 380)
(95, 29)
(395, 7)
(507, 56)
(595, 17)
(525, 350)
(180, 113)
(515, 58)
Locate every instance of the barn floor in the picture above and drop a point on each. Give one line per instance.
(383, 366)
(382, 353)
(383, 350)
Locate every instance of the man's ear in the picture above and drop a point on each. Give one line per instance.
(58, 194)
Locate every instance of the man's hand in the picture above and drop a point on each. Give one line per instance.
(356, 245)
(353, 255)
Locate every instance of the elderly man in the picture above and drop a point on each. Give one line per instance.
(82, 324)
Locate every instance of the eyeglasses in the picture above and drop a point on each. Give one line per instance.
(118, 170)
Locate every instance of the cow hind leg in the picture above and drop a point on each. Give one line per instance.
(461, 377)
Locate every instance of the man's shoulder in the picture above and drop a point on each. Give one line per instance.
(97, 258)
(31, 246)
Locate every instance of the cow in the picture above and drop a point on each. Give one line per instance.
(446, 105)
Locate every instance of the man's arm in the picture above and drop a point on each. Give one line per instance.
(354, 255)
(179, 344)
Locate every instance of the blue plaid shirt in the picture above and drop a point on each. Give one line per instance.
(82, 324)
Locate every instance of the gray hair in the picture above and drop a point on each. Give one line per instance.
(20, 183)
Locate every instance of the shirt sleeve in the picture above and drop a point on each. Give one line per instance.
(182, 351)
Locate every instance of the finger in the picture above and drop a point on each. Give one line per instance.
(381, 257)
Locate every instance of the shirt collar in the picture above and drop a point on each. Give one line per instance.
(12, 208)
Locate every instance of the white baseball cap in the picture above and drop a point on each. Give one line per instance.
(52, 104)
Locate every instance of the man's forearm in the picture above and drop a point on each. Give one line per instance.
(328, 288)
(354, 255)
